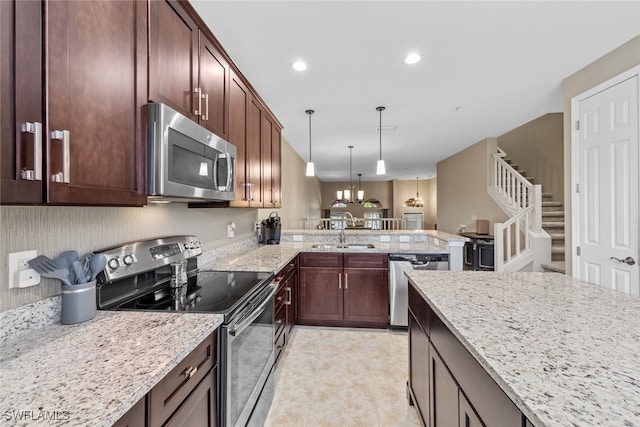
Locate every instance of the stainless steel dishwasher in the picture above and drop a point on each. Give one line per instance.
(399, 283)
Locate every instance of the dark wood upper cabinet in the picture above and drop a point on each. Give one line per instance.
(173, 58)
(254, 166)
(21, 103)
(238, 104)
(214, 88)
(95, 67)
(187, 71)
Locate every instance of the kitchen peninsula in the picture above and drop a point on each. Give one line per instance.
(564, 352)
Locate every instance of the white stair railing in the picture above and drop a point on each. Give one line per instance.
(522, 201)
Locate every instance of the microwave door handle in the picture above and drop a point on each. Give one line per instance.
(229, 172)
(215, 172)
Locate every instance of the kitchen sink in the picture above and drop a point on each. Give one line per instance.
(343, 246)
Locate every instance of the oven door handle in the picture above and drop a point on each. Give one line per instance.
(239, 327)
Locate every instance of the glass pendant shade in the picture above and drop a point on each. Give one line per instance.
(339, 195)
(310, 169)
(380, 169)
(360, 194)
(347, 194)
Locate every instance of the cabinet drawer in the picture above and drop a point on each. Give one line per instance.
(318, 259)
(279, 320)
(281, 297)
(418, 306)
(286, 271)
(173, 389)
(366, 261)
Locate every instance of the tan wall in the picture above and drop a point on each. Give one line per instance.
(537, 148)
(427, 188)
(301, 195)
(381, 190)
(610, 65)
(462, 189)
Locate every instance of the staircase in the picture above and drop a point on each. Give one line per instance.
(553, 223)
(523, 243)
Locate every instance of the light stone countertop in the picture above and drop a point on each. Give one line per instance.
(565, 352)
(271, 258)
(93, 372)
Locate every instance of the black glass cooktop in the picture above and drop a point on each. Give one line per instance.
(207, 292)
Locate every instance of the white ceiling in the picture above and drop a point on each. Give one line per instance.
(502, 62)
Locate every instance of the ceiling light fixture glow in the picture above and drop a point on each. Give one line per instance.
(412, 58)
(299, 66)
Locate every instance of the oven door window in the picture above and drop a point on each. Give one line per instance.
(249, 353)
(189, 163)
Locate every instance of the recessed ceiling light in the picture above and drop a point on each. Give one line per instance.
(299, 66)
(412, 58)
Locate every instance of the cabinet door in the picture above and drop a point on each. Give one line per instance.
(468, 417)
(366, 295)
(443, 391)
(419, 367)
(276, 161)
(254, 154)
(199, 409)
(267, 151)
(135, 417)
(321, 295)
(173, 57)
(238, 104)
(95, 52)
(291, 286)
(214, 84)
(21, 102)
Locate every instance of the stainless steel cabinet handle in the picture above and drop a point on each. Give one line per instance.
(198, 92)
(339, 280)
(205, 116)
(190, 371)
(288, 301)
(63, 135)
(36, 174)
(628, 260)
(346, 281)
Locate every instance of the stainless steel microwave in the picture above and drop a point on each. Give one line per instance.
(186, 162)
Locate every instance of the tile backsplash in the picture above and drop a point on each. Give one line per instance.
(53, 229)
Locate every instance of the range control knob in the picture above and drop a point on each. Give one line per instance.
(113, 263)
(128, 259)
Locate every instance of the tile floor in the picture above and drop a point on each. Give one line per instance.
(342, 377)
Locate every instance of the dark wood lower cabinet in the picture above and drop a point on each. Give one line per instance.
(136, 416)
(332, 294)
(199, 409)
(444, 392)
(446, 383)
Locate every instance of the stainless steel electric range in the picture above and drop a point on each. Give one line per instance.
(138, 276)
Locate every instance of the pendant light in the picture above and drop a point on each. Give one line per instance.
(380, 169)
(417, 202)
(360, 197)
(310, 167)
(348, 193)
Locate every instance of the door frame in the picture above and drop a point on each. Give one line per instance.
(575, 102)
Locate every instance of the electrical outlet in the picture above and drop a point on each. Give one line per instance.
(385, 239)
(297, 237)
(231, 229)
(404, 239)
(20, 274)
(257, 228)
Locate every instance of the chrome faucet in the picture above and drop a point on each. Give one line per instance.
(353, 222)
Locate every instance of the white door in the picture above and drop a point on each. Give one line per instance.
(607, 176)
